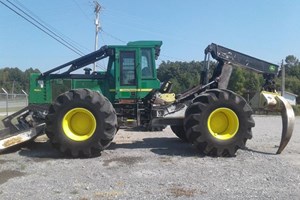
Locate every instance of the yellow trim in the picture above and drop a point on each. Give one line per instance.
(135, 90)
(132, 90)
(79, 124)
(223, 123)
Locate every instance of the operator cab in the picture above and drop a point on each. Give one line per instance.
(133, 70)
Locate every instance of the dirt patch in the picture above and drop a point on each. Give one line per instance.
(9, 174)
(4, 161)
(166, 160)
(108, 195)
(182, 192)
(122, 160)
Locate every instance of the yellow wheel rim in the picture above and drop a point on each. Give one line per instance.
(223, 123)
(79, 124)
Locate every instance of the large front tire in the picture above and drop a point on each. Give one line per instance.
(219, 122)
(81, 123)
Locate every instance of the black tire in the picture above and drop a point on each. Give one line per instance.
(179, 132)
(96, 128)
(212, 108)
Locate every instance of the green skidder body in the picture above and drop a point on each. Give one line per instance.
(130, 75)
(81, 110)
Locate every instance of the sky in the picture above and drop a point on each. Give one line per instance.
(266, 29)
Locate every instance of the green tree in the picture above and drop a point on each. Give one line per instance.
(292, 66)
(14, 80)
(292, 84)
(237, 81)
(291, 60)
(183, 75)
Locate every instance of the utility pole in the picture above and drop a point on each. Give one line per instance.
(98, 26)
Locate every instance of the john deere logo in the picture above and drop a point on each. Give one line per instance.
(272, 68)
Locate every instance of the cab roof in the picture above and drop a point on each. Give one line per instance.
(141, 43)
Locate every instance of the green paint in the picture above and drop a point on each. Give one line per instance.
(114, 84)
(272, 68)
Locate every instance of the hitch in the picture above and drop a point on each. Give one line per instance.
(272, 101)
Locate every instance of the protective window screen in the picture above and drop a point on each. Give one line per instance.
(127, 61)
(146, 64)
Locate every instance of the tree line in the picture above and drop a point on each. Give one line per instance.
(14, 80)
(185, 75)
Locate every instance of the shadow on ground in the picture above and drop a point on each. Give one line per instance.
(34, 149)
(161, 146)
(40, 150)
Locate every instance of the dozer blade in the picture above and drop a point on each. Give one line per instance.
(21, 126)
(274, 102)
(20, 137)
(288, 119)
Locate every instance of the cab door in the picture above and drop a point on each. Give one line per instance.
(127, 83)
(147, 71)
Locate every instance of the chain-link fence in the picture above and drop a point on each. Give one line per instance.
(10, 103)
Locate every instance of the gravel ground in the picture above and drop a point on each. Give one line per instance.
(157, 165)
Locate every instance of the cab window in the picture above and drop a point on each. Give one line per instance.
(111, 67)
(127, 62)
(146, 63)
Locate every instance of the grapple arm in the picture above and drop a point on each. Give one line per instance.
(270, 101)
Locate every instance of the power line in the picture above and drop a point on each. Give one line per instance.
(53, 29)
(78, 51)
(38, 23)
(100, 28)
(42, 28)
(82, 11)
(114, 37)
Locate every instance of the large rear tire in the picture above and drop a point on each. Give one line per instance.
(81, 123)
(219, 122)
